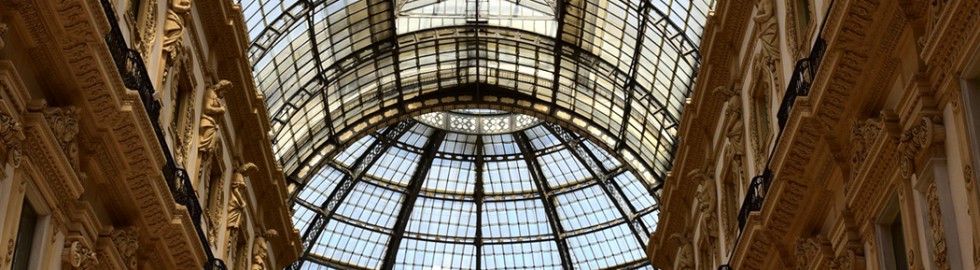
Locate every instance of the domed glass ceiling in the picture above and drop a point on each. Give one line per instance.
(335, 72)
(411, 196)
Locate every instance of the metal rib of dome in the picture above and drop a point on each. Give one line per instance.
(415, 197)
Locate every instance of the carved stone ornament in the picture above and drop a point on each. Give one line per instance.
(260, 250)
(11, 133)
(10, 251)
(734, 132)
(81, 257)
(806, 251)
(707, 206)
(147, 30)
(914, 140)
(3, 33)
(64, 124)
(239, 202)
(685, 254)
(768, 32)
(213, 111)
(173, 28)
(127, 242)
(849, 260)
(936, 229)
(863, 135)
(936, 8)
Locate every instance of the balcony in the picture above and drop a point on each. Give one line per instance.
(134, 74)
(799, 86)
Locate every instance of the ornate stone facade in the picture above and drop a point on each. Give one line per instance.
(85, 151)
(874, 148)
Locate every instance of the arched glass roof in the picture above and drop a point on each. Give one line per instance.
(411, 196)
(331, 71)
(334, 72)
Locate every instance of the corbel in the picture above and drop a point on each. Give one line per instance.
(916, 141)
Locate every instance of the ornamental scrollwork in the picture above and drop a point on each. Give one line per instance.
(81, 257)
(916, 139)
(63, 122)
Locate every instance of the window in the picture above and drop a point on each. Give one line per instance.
(25, 236)
(891, 236)
(761, 118)
(803, 18)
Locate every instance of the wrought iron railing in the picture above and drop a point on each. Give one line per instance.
(135, 76)
(802, 80)
(755, 197)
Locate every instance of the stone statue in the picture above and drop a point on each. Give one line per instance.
(707, 205)
(768, 30)
(238, 203)
(735, 134)
(173, 27)
(685, 255)
(210, 117)
(260, 250)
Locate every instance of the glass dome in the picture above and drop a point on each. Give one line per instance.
(412, 196)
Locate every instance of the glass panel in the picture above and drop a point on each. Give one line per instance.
(446, 218)
(418, 254)
(350, 244)
(512, 219)
(585, 208)
(531, 255)
(25, 236)
(605, 248)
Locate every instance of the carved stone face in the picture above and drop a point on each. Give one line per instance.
(180, 6)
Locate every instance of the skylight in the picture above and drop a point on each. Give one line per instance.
(528, 15)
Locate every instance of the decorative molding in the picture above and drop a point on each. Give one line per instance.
(147, 30)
